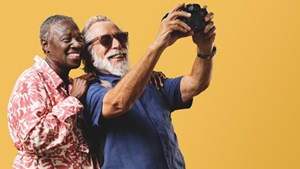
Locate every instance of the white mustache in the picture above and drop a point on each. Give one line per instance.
(114, 52)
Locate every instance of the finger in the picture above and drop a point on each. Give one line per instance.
(161, 83)
(209, 26)
(87, 76)
(157, 81)
(78, 85)
(93, 80)
(176, 14)
(182, 24)
(211, 37)
(209, 16)
(71, 81)
(80, 82)
(211, 32)
(162, 75)
(179, 26)
(152, 78)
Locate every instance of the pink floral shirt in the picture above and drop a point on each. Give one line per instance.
(42, 121)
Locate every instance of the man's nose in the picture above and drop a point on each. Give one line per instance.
(116, 44)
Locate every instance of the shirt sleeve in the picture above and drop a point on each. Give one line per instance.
(36, 126)
(173, 94)
(94, 103)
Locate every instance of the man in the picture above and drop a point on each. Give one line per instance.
(129, 119)
(45, 103)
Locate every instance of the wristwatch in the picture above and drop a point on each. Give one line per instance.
(208, 56)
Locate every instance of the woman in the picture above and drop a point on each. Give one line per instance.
(45, 102)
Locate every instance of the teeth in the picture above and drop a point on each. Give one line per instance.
(74, 54)
(118, 57)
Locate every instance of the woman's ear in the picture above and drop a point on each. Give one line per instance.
(45, 45)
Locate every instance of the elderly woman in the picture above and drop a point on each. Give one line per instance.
(45, 102)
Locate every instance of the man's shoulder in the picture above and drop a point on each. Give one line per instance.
(97, 88)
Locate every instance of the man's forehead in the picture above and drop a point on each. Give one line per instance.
(104, 27)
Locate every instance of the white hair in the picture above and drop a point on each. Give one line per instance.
(91, 21)
(120, 69)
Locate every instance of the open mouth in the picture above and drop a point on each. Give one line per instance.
(74, 56)
(117, 56)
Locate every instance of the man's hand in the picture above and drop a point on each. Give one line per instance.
(205, 40)
(172, 28)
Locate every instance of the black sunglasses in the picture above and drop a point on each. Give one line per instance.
(106, 40)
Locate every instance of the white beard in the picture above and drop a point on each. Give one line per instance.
(120, 69)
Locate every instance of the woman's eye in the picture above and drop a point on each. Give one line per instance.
(66, 39)
(80, 39)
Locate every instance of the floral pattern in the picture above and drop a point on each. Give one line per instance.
(42, 121)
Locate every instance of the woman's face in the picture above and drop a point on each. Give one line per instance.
(65, 43)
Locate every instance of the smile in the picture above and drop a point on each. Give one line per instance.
(74, 56)
(117, 56)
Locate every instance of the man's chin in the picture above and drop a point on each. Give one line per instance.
(119, 73)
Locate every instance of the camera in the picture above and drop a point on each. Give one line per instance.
(196, 21)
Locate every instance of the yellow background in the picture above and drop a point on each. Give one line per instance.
(249, 116)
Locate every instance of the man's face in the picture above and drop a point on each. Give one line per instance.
(109, 58)
(64, 44)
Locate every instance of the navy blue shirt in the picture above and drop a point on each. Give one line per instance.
(142, 138)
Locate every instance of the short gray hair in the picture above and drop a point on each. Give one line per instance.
(87, 57)
(46, 25)
(87, 51)
(94, 19)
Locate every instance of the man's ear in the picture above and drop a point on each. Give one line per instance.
(92, 59)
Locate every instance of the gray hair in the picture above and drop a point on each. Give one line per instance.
(87, 58)
(88, 36)
(94, 19)
(46, 25)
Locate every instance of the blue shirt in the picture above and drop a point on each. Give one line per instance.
(142, 138)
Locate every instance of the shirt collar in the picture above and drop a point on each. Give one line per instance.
(109, 77)
(49, 72)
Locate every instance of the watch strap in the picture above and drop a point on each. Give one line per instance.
(208, 56)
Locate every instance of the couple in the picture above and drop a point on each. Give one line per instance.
(126, 119)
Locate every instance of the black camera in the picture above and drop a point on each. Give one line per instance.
(196, 21)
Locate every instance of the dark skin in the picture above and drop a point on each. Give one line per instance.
(62, 47)
(157, 79)
(65, 40)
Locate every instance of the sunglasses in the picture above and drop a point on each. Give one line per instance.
(106, 40)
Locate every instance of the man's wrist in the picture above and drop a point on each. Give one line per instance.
(209, 55)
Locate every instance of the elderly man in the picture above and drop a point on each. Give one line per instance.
(129, 120)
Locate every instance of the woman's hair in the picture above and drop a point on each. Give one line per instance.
(46, 25)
